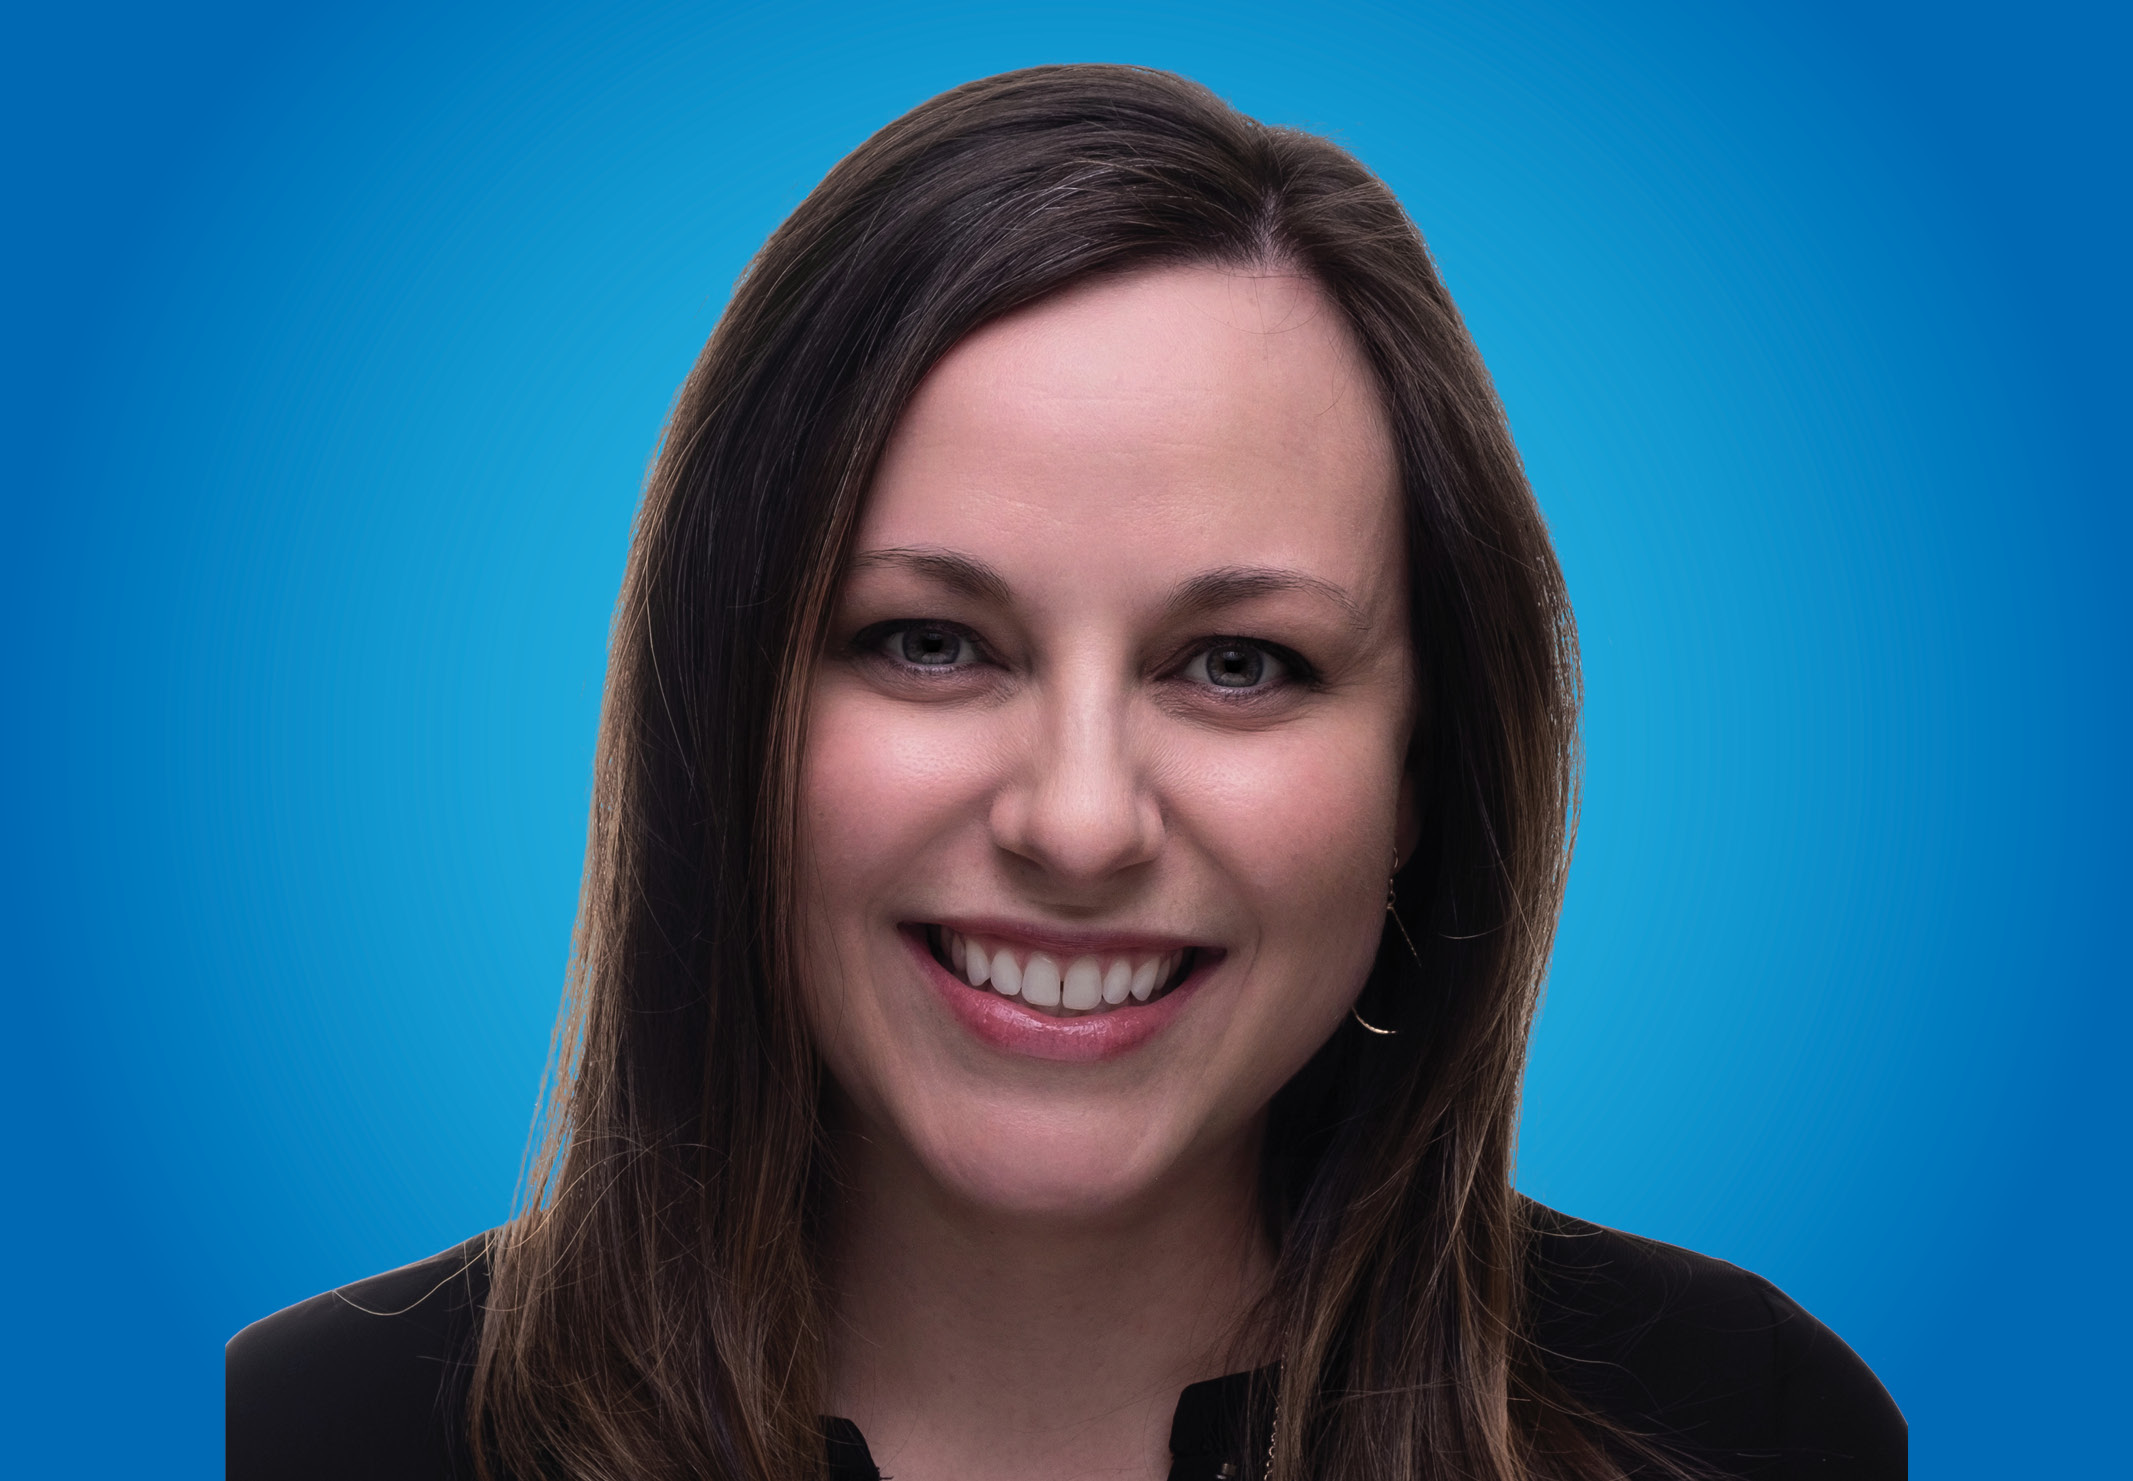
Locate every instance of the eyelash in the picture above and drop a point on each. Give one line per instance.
(872, 640)
(1296, 672)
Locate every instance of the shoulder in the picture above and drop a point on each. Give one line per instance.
(1703, 1355)
(364, 1381)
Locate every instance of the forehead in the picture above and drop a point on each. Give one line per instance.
(1180, 417)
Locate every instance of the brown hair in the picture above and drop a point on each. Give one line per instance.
(656, 1310)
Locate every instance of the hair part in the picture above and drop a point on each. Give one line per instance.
(656, 1310)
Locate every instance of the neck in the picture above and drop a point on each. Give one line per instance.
(971, 1343)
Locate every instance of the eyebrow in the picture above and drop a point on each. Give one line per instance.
(959, 573)
(1220, 588)
(1202, 593)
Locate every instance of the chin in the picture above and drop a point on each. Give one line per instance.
(1082, 1175)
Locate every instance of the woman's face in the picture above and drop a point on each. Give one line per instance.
(1104, 763)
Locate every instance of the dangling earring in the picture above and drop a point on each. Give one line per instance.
(1395, 914)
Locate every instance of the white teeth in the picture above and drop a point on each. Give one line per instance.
(1085, 985)
(1083, 988)
(1040, 982)
(1144, 978)
(1118, 982)
(1006, 975)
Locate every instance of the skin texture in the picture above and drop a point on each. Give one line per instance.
(1034, 1253)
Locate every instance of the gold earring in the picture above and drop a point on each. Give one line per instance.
(1395, 914)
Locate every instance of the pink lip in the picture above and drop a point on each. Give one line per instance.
(1012, 1027)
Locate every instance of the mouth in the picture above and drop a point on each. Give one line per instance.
(1061, 984)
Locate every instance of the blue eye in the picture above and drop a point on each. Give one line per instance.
(1236, 666)
(931, 647)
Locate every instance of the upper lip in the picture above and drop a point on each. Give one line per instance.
(1065, 941)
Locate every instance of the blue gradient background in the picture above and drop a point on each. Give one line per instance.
(336, 345)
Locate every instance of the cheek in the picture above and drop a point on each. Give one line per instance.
(1295, 819)
(861, 809)
(887, 793)
(879, 787)
(1302, 830)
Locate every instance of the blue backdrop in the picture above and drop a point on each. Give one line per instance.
(337, 341)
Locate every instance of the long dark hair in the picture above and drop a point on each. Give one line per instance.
(655, 1309)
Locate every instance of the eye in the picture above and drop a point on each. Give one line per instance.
(1231, 664)
(929, 645)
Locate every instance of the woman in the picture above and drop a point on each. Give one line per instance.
(1081, 814)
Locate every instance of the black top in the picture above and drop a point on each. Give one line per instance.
(367, 1382)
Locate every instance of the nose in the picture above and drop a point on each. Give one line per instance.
(1079, 805)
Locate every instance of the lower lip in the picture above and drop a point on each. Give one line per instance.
(1012, 1027)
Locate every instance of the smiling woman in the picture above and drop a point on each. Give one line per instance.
(1082, 807)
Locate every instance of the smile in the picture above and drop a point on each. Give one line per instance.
(1058, 984)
